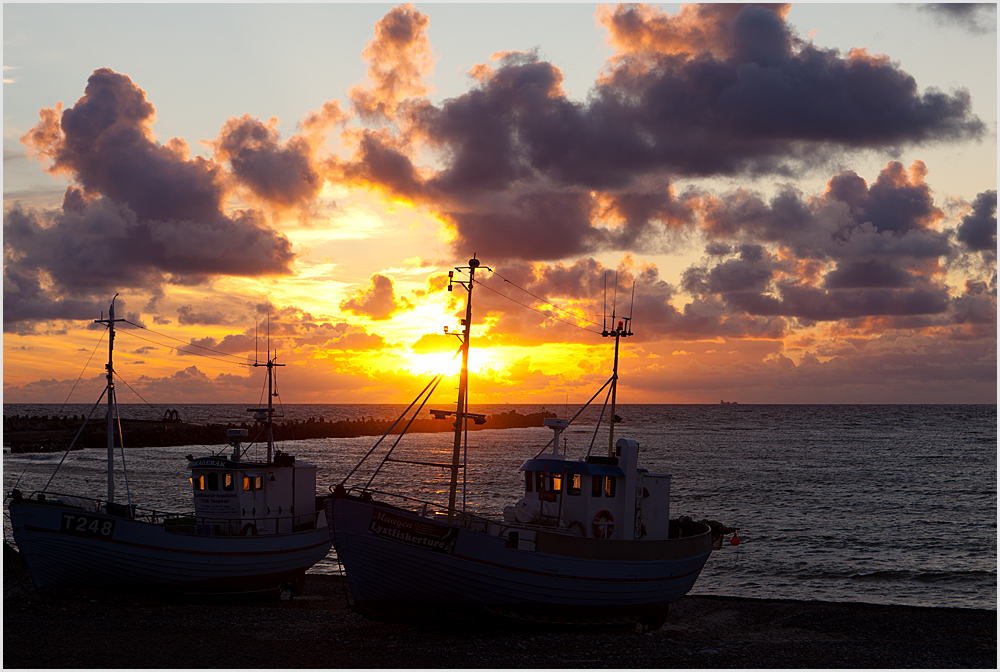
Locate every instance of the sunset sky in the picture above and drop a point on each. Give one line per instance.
(802, 197)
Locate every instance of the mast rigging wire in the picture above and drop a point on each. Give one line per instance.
(541, 312)
(174, 338)
(545, 301)
(187, 352)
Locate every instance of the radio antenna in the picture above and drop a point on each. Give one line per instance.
(631, 304)
(614, 306)
(605, 306)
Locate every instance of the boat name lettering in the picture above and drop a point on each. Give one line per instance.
(413, 532)
(208, 462)
(91, 525)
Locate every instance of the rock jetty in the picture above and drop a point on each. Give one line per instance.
(38, 434)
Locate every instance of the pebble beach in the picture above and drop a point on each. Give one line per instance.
(92, 628)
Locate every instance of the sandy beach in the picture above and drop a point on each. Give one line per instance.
(90, 628)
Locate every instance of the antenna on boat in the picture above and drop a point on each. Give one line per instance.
(604, 307)
(266, 415)
(619, 328)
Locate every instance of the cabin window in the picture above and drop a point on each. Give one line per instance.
(213, 481)
(539, 481)
(596, 485)
(556, 482)
(609, 486)
(574, 484)
(251, 482)
(199, 482)
(527, 481)
(228, 482)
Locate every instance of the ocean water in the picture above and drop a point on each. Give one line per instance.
(881, 504)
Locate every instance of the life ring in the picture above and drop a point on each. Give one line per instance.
(604, 524)
(250, 528)
(577, 528)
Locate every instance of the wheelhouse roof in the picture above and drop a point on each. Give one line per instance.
(557, 466)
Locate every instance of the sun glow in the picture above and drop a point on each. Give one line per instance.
(434, 363)
(450, 363)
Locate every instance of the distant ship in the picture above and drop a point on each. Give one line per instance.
(590, 541)
(728, 403)
(257, 526)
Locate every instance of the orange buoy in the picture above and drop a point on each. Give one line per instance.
(734, 540)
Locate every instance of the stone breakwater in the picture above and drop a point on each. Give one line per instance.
(36, 434)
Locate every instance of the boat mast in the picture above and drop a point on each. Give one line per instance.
(266, 415)
(620, 329)
(111, 395)
(463, 382)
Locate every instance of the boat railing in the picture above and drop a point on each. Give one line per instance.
(465, 519)
(184, 522)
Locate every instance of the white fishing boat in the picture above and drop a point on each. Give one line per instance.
(590, 541)
(256, 526)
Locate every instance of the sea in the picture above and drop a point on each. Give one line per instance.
(885, 504)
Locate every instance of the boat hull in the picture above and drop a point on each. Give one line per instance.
(400, 564)
(65, 545)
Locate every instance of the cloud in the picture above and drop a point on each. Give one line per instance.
(379, 302)
(279, 175)
(188, 315)
(711, 90)
(139, 214)
(399, 58)
(977, 18)
(978, 230)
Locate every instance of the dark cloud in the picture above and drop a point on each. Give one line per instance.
(712, 90)
(378, 302)
(281, 175)
(977, 18)
(138, 214)
(898, 201)
(188, 315)
(978, 229)
(895, 216)
(856, 251)
(868, 274)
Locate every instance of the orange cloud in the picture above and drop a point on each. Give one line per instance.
(379, 302)
(399, 58)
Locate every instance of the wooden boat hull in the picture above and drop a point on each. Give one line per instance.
(65, 545)
(400, 564)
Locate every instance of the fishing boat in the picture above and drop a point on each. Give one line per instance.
(256, 526)
(590, 541)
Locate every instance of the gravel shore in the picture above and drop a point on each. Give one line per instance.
(89, 628)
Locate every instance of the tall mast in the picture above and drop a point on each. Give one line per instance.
(111, 395)
(620, 328)
(463, 384)
(267, 415)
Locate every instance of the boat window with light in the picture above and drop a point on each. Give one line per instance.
(228, 482)
(539, 481)
(199, 483)
(555, 483)
(574, 484)
(213, 481)
(253, 482)
(609, 486)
